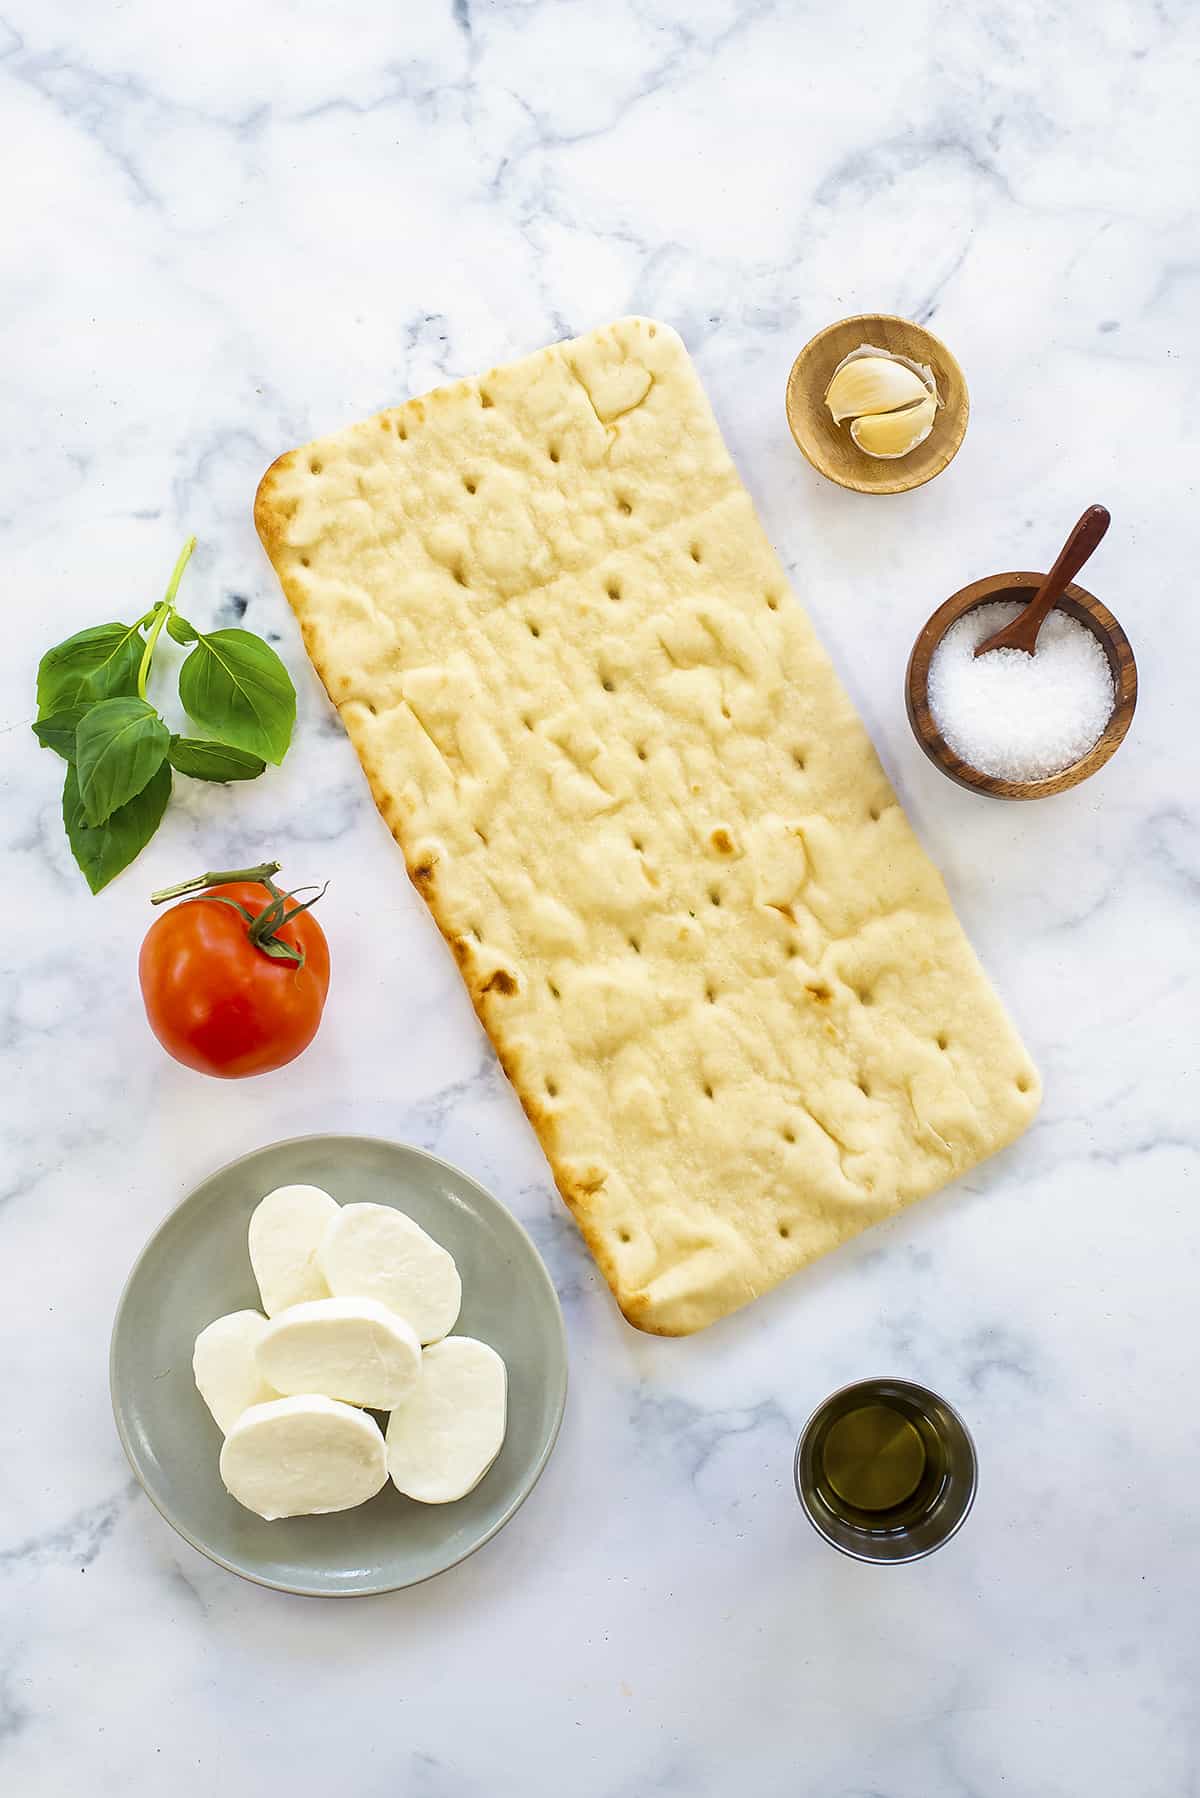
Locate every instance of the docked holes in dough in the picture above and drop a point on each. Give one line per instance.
(943, 1041)
(1023, 1083)
(459, 574)
(625, 505)
(534, 629)
(470, 483)
(552, 1088)
(798, 758)
(876, 814)
(314, 466)
(555, 453)
(772, 602)
(613, 590)
(695, 552)
(789, 1135)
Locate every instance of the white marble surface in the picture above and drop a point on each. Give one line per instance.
(230, 227)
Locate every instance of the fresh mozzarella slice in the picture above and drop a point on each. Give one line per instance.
(285, 1233)
(442, 1440)
(297, 1457)
(352, 1349)
(226, 1368)
(376, 1252)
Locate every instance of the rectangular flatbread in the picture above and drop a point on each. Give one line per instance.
(718, 968)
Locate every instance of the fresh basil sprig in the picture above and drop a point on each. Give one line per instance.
(93, 711)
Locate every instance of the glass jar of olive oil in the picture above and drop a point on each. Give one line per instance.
(886, 1470)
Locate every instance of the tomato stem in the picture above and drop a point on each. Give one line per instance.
(263, 873)
(262, 927)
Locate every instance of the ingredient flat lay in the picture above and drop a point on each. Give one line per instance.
(623, 872)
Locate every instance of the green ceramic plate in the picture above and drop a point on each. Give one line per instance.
(196, 1267)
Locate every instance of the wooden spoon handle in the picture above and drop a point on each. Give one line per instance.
(1084, 539)
(1022, 633)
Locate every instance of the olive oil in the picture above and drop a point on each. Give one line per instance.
(886, 1470)
(881, 1466)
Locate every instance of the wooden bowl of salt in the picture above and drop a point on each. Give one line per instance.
(986, 737)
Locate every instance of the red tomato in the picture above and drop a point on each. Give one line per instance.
(215, 1001)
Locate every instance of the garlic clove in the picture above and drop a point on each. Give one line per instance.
(892, 434)
(871, 384)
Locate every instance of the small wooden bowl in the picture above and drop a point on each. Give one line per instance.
(830, 448)
(1082, 606)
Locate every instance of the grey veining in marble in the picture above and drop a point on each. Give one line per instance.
(230, 227)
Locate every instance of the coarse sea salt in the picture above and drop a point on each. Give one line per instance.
(1015, 716)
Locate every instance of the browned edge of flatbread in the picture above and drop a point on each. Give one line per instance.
(486, 995)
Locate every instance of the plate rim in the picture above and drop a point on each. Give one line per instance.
(538, 1466)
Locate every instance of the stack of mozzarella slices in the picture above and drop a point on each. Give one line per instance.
(359, 1303)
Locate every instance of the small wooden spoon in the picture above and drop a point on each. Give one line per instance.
(1022, 633)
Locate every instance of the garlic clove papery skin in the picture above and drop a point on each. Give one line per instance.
(872, 384)
(889, 435)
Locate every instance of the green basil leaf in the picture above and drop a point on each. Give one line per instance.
(119, 744)
(181, 630)
(103, 850)
(234, 685)
(99, 663)
(57, 732)
(213, 761)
